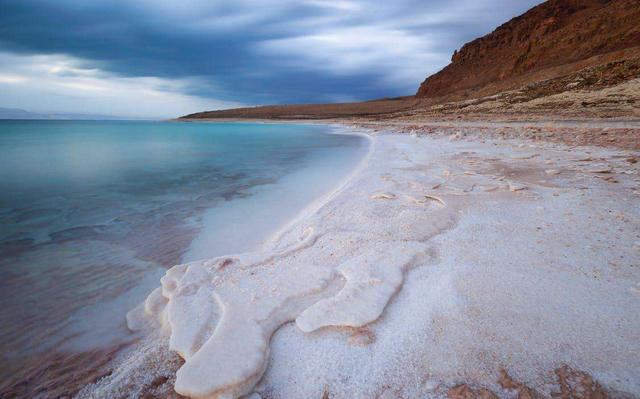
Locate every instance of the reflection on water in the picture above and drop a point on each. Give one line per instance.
(92, 213)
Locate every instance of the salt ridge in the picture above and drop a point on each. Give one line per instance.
(225, 310)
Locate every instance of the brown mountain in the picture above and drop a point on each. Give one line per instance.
(553, 39)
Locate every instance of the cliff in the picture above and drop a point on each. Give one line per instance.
(553, 39)
(563, 58)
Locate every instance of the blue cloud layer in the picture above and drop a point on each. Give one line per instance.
(258, 52)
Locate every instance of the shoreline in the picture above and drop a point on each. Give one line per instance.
(271, 229)
(318, 202)
(421, 206)
(621, 132)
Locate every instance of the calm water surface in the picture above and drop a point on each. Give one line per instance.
(93, 213)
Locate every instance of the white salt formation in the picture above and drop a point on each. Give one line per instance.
(221, 313)
(409, 280)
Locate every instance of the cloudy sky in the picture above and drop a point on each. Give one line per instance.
(163, 58)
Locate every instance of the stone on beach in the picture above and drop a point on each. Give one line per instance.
(388, 196)
(516, 187)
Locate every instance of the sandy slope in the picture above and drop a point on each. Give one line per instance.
(442, 262)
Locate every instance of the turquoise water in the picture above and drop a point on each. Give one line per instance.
(92, 213)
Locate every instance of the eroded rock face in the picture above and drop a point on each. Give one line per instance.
(557, 36)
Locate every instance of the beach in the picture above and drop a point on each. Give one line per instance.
(329, 199)
(452, 262)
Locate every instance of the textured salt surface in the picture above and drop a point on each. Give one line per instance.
(472, 275)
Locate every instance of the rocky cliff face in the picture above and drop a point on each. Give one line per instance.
(554, 38)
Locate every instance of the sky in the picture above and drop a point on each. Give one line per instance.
(166, 58)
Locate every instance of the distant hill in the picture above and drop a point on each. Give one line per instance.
(553, 39)
(16, 113)
(312, 111)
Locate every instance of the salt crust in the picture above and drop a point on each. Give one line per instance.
(341, 263)
(225, 310)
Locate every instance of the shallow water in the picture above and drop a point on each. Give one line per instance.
(92, 214)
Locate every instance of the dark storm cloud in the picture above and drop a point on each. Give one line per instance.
(257, 51)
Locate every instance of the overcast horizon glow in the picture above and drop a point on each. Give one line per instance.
(165, 58)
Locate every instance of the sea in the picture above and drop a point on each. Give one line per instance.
(92, 214)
